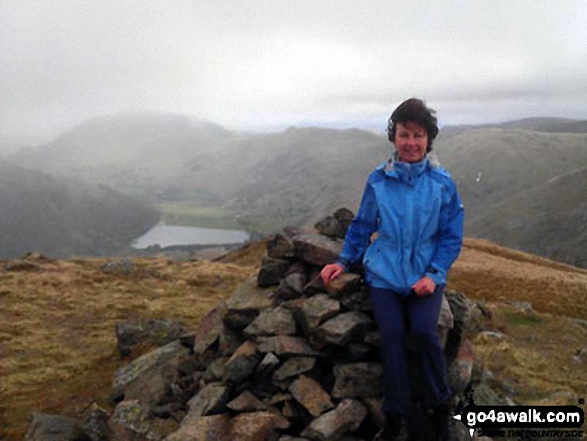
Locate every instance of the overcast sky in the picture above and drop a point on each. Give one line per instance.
(261, 64)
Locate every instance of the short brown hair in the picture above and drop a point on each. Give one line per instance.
(414, 110)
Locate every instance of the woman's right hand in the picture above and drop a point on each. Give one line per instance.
(330, 272)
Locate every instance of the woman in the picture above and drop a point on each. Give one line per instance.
(413, 205)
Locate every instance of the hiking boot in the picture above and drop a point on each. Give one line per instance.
(395, 429)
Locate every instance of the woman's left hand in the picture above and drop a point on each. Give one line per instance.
(424, 286)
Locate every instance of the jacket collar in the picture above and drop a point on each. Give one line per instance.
(406, 172)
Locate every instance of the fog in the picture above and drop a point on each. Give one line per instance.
(267, 65)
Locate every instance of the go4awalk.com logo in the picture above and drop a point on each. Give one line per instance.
(524, 421)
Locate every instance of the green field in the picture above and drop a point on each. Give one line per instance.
(213, 217)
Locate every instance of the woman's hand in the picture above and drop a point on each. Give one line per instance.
(330, 272)
(424, 286)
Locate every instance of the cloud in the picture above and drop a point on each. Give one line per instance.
(266, 63)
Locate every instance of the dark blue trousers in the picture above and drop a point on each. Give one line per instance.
(399, 317)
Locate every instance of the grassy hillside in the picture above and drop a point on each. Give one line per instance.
(65, 217)
(59, 345)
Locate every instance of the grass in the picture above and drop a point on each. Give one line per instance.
(58, 342)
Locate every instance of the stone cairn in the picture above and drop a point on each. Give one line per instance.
(282, 359)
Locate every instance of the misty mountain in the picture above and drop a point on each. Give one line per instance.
(63, 218)
(300, 174)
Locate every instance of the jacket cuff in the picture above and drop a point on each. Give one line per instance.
(344, 263)
(438, 276)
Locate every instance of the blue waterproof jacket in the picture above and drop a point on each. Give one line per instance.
(418, 214)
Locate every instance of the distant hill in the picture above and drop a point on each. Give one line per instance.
(63, 218)
(297, 175)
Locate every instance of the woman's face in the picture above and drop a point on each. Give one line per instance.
(411, 140)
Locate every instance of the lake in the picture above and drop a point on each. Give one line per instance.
(173, 235)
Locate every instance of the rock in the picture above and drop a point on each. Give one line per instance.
(150, 364)
(245, 304)
(257, 426)
(344, 216)
(210, 400)
(313, 311)
(95, 423)
(280, 247)
(45, 427)
(317, 249)
(123, 266)
(210, 328)
(203, 428)
(21, 265)
(330, 227)
(460, 371)
(286, 345)
(272, 270)
(291, 287)
(230, 340)
(346, 417)
(242, 363)
(344, 285)
(310, 394)
(445, 322)
(267, 365)
(358, 301)
(344, 327)
(294, 366)
(129, 422)
(356, 380)
(138, 334)
(215, 370)
(275, 321)
(246, 402)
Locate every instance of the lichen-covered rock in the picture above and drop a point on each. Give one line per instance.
(210, 328)
(344, 284)
(45, 427)
(95, 423)
(130, 422)
(203, 428)
(344, 216)
(245, 304)
(346, 417)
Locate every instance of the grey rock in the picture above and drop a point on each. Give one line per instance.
(274, 321)
(344, 328)
(267, 365)
(123, 266)
(272, 270)
(344, 216)
(313, 311)
(294, 366)
(152, 362)
(280, 247)
(343, 285)
(95, 423)
(330, 227)
(354, 380)
(445, 322)
(130, 421)
(215, 370)
(209, 400)
(246, 402)
(331, 426)
(242, 363)
(210, 328)
(286, 345)
(45, 427)
(317, 249)
(291, 287)
(134, 334)
(310, 394)
(245, 304)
